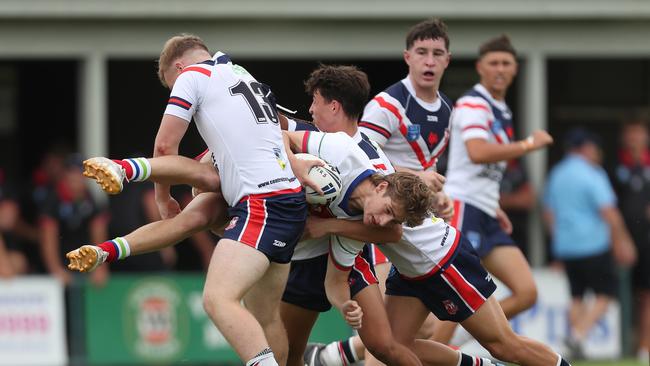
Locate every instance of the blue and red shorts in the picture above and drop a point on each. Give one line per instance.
(376, 256)
(453, 293)
(271, 223)
(482, 230)
(306, 283)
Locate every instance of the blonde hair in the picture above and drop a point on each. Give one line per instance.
(410, 192)
(175, 48)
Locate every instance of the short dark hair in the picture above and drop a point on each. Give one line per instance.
(346, 84)
(433, 28)
(499, 44)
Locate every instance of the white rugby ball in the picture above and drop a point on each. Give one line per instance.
(326, 177)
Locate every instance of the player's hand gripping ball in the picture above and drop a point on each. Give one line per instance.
(326, 177)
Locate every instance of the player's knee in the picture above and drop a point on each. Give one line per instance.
(192, 221)
(505, 348)
(211, 302)
(527, 297)
(209, 178)
(382, 348)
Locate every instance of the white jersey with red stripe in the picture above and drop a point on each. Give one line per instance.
(423, 249)
(354, 163)
(233, 116)
(412, 132)
(477, 115)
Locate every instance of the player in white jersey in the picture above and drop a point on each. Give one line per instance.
(339, 93)
(410, 119)
(482, 141)
(268, 206)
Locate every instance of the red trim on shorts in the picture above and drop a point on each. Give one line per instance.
(377, 256)
(342, 354)
(255, 223)
(305, 140)
(463, 288)
(270, 194)
(201, 155)
(441, 263)
(362, 266)
(402, 127)
(198, 69)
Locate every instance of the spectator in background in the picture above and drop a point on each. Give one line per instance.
(135, 207)
(587, 231)
(70, 216)
(12, 259)
(632, 180)
(517, 199)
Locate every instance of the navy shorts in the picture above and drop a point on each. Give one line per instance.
(306, 283)
(453, 293)
(271, 223)
(597, 272)
(480, 229)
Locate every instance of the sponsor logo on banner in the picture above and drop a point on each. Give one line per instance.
(154, 322)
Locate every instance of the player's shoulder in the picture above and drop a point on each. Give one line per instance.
(446, 101)
(472, 99)
(398, 92)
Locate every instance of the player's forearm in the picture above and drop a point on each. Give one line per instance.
(483, 152)
(336, 286)
(50, 249)
(618, 231)
(357, 230)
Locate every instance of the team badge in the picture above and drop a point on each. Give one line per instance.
(232, 223)
(413, 132)
(451, 308)
(496, 126)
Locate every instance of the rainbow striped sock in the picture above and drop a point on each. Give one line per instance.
(137, 169)
(117, 249)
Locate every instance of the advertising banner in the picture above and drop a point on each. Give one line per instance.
(160, 320)
(32, 322)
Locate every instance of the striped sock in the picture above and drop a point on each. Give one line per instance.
(137, 169)
(467, 360)
(117, 248)
(264, 358)
(562, 362)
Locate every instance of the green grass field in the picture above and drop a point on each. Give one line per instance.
(628, 362)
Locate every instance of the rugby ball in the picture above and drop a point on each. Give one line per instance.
(326, 177)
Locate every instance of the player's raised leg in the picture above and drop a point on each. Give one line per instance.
(170, 169)
(204, 211)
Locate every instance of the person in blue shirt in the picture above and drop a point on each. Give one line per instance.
(588, 233)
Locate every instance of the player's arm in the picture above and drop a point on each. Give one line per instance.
(317, 227)
(622, 244)
(293, 142)
(338, 294)
(171, 131)
(481, 151)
